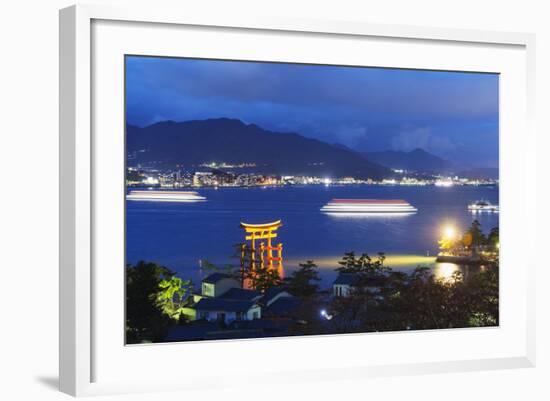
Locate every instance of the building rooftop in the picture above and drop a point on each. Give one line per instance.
(190, 332)
(215, 277)
(346, 279)
(224, 305)
(283, 306)
(240, 294)
(271, 293)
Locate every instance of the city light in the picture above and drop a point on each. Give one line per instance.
(325, 314)
(226, 175)
(444, 183)
(151, 181)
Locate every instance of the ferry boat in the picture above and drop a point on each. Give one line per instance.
(369, 206)
(165, 196)
(482, 206)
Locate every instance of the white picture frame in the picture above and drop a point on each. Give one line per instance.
(82, 342)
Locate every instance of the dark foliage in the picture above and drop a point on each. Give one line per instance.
(145, 320)
(304, 281)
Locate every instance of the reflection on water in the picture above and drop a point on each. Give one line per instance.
(395, 261)
(445, 271)
(374, 215)
(180, 235)
(402, 263)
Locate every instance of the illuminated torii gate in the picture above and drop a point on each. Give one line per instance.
(259, 232)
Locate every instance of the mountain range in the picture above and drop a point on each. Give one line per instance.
(416, 160)
(231, 141)
(482, 173)
(191, 143)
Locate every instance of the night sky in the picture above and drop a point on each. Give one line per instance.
(453, 115)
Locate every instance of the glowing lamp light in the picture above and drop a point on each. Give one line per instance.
(325, 314)
(449, 232)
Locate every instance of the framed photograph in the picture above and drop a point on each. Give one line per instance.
(334, 198)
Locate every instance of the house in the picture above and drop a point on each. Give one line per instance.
(344, 284)
(218, 283)
(227, 310)
(273, 294)
(241, 294)
(282, 308)
(279, 303)
(223, 300)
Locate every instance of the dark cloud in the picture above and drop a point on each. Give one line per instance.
(452, 114)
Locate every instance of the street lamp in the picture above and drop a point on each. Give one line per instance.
(449, 232)
(448, 239)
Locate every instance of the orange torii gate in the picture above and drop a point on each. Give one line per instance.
(259, 232)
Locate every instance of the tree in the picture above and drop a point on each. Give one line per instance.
(154, 301)
(351, 313)
(474, 237)
(420, 301)
(234, 271)
(448, 244)
(493, 239)
(145, 321)
(171, 296)
(262, 278)
(354, 312)
(363, 265)
(303, 282)
(253, 271)
(483, 297)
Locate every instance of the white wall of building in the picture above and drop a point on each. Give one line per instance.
(212, 316)
(219, 288)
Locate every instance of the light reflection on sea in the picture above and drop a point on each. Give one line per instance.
(400, 263)
(183, 236)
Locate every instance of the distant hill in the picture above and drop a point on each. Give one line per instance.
(480, 173)
(191, 143)
(416, 160)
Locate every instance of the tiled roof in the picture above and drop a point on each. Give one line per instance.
(271, 293)
(282, 306)
(223, 305)
(346, 279)
(215, 277)
(240, 294)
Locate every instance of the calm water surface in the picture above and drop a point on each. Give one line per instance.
(181, 235)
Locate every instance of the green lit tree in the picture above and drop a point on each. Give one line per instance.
(145, 321)
(171, 296)
(155, 297)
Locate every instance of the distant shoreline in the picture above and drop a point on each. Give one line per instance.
(179, 188)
